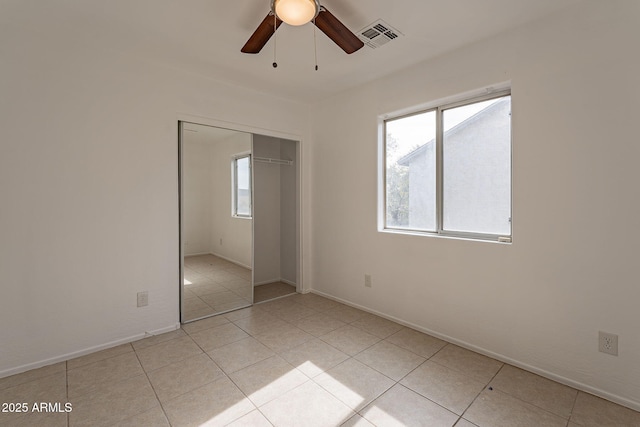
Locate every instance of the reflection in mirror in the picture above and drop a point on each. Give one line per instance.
(216, 221)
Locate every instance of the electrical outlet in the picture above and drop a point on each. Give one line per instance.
(367, 280)
(608, 343)
(143, 299)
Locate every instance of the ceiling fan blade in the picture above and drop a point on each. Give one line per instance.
(261, 35)
(336, 31)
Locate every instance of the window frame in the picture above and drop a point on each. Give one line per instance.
(439, 109)
(234, 185)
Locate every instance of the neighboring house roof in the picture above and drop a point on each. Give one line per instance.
(410, 157)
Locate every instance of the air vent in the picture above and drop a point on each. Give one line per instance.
(378, 34)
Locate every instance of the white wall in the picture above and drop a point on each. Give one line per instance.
(289, 191)
(572, 267)
(234, 232)
(198, 196)
(209, 226)
(89, 189)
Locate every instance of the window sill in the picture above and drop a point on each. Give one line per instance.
(471, 238)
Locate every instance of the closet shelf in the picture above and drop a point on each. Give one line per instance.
(274, 161)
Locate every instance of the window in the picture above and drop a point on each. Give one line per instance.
(241, 186)
(447, 170)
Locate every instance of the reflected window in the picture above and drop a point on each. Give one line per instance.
(241, 183)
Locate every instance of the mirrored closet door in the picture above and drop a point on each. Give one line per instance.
(216, 220)
(239, 219)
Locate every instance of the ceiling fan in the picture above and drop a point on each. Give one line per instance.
(300, 12)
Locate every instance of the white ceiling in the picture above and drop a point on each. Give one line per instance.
(205, 36)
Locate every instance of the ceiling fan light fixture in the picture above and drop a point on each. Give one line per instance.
(296, 12)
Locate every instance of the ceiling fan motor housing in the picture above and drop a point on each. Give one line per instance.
(321, 17)
(295, 12)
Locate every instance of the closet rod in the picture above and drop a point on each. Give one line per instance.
(274, 161)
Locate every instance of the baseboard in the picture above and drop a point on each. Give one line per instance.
(84, 352)
(267, 282)
(197, 254)
(229, 259)
(543, 373)
(273, 299)
(164, 330)
(289, 282)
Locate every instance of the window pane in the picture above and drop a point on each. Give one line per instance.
(243, 187)
(411, 172)
(477, 167)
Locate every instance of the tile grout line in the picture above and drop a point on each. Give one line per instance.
(379, 340)
(358, 412)
(382, 373)
(486, 386)
(86, 396)
(266, 403)
(146, 374)
(373, 400)
(535, 406)
(410, 350)
(66, 380)
(177, 361)
(502, 391)
(246, 397)
(573, 407)
(568, 420)
(312, 379)
(517, 398)
(205, 329)
(263, 414)
(526, 402)
(228, 374)
(418, 393)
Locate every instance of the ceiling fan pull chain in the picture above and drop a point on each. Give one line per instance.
(275, 38)
(315, 44)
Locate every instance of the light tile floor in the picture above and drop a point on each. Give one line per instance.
(213, 285)
(272, 290)
(299, 361)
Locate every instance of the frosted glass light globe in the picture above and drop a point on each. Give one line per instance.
(296, 12)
